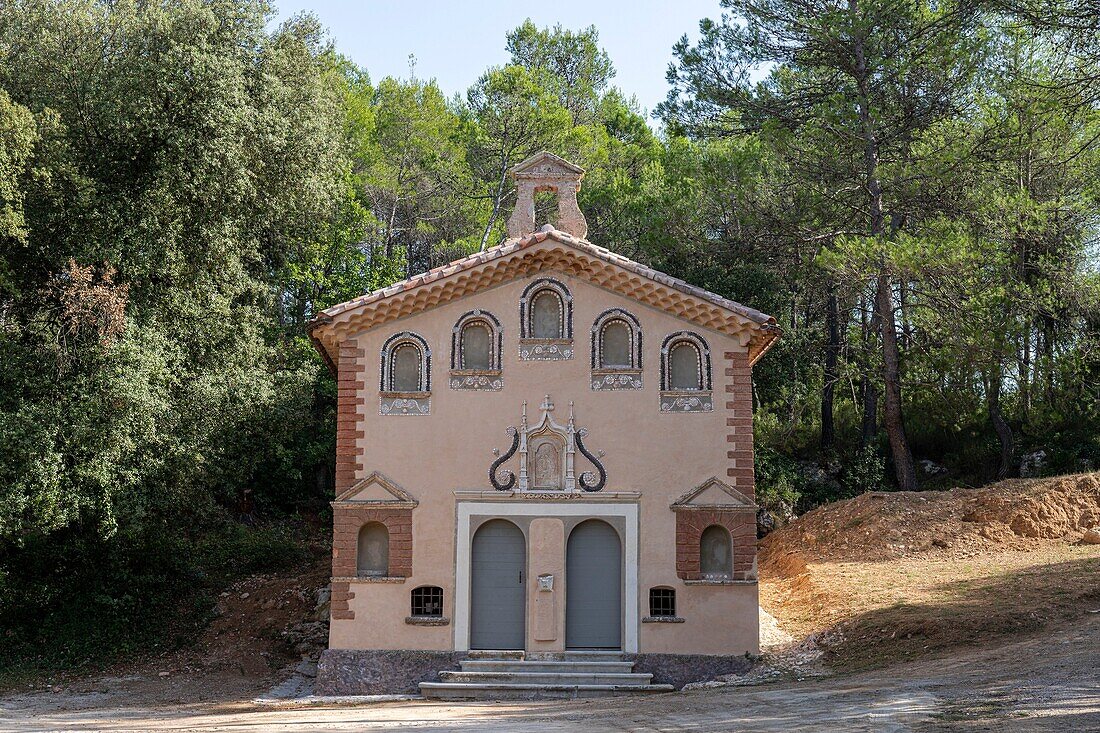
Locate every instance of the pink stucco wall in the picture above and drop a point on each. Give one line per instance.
(661, 456)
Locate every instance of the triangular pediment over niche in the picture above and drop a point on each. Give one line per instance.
(714, 493)
(377, 489)
(546, 163)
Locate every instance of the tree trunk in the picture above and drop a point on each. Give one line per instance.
(1000, 425)
(891, 376)
(828, 390)
(868, 390)
(884, 296)
(498, 201)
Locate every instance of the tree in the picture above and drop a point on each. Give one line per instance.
(510, 116)
(866, 76)
(572, 65)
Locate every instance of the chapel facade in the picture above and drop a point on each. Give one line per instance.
(542, 449)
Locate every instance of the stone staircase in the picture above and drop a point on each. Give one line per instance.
(515, 675)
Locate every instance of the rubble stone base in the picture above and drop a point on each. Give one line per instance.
(679, 669)
(380, 671)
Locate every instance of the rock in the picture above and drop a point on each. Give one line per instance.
(1032, 464)
(162, 674)
(932, 469)
(765, 522)
(243, 596)
(1091, 537)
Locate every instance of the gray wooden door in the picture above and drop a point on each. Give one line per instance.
(593, 596)
(498, 601)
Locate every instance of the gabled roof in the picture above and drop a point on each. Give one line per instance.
(547, 249)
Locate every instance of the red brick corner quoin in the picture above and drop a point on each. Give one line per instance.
(739, 449)
(349, 401)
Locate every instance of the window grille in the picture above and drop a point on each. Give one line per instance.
(662, 602)
(427, 600)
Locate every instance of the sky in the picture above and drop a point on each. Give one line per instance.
(454, 42)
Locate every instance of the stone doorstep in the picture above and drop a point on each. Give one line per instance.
(519, 691)
(551, 675)
(571, 678)
(505, 665)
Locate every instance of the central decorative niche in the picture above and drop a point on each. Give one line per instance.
(546, 455)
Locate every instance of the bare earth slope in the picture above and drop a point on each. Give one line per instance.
(892, 576)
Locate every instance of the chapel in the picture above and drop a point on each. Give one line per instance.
(544, 471)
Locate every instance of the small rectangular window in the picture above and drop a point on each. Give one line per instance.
(427, 601)
(662, 602)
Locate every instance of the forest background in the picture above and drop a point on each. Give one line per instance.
(910, 187)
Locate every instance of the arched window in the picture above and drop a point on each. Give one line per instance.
(546, 316)
(615, 346)
(476, 347)
(685, 363)
(715, 555)
(476, 341)
(373, 550)
(685, 366)
(405, 368)
(427, 600)
(546, 320)
(616, 351)
(406, 364)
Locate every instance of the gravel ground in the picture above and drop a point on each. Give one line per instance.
(1048, 681)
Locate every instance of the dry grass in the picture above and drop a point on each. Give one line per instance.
(915, 596)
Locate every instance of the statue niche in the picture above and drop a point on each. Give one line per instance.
(547, 469)
(547, 454)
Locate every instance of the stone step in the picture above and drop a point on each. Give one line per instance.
(501, 665)
(522, 691)
(495, 654)
(557, 679)
(575, 655)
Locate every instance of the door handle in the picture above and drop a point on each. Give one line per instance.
(521, 577)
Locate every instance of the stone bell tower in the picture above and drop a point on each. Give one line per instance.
(547, 172)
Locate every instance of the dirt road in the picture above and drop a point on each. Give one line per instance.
(1049, 681)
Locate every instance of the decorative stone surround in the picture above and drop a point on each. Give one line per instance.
(673, 402)
(545, 349)
(385, 379)
(663, 620)
(477, 379)
(404, 403)
(361, 579)
(565, 441)
(606, 380)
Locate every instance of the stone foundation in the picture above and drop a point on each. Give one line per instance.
(398, 672)
(679, 669)
(380, 671)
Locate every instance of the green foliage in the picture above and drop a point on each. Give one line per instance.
(183, 187)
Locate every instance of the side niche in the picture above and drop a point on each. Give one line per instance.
(546, 453)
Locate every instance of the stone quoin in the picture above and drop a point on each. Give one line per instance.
(544, 452)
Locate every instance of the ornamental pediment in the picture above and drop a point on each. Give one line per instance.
(714, 494)
(377, 489)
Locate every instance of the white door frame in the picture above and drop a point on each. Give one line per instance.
(506, 510)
